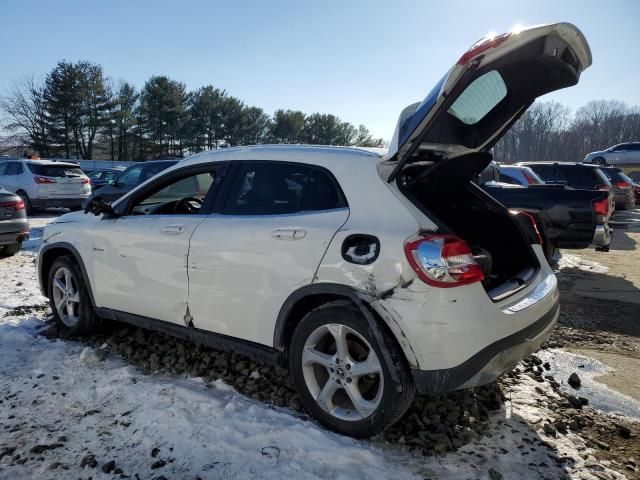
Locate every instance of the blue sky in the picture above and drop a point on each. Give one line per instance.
(361, 60)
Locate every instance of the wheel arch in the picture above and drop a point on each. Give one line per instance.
(306, 298)
(48, 255)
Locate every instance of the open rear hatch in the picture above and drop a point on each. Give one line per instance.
(440, 144)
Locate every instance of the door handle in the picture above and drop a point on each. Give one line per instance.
(288, 234)
(173, 230)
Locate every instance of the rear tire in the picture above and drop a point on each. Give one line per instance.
(348, 380)
(10, 250)
(69, 298)
(599, 161)
(27, 201)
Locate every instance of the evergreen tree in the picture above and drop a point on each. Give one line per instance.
(77, 104)
(163, 111)
(288, 126)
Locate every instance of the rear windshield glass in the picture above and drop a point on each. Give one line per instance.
(582, 177)
(55, 170)
(613, 174)
(479, 98)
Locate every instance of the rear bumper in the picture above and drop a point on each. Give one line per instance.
(14, 237)
(602, 236)
(14, 231)
(492, 361)
(57, 202)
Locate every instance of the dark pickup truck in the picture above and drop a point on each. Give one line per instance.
(570, 218)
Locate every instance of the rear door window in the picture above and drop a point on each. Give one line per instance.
(282, 188)
(267, 189)
(14, 168)
(322, 193)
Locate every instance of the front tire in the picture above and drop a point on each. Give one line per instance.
(350, 381)
(599, 161)
(69, 298)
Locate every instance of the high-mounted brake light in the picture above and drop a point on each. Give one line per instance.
(442, 260)
(41, 180)
(15, 205)
(482, 45)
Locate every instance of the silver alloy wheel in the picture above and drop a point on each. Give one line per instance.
(342, 372)
(66, 296)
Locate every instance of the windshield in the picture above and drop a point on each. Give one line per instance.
(55, 170)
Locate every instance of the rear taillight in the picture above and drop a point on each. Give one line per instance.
(15, 205)
(622, 184)
(601, 207)
(442, 260)
(86, 180)
(41, 180)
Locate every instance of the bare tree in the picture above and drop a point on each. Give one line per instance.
(25, 110)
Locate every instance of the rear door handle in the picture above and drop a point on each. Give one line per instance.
(173, 230)
(288, 234)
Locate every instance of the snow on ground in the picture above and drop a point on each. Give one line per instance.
(567, 261)
(59, 402)
(600, 396)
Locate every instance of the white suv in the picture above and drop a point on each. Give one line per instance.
(45, 183)
(369, 274)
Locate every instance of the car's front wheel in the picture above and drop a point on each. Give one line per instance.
(69, 298)
(599, 161)
(351, 378)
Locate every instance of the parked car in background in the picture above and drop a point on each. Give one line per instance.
(45, 183)
(518, 175)
(622, 154)
(132, 177)
(567, 217)
(14, 227)
(103, 176)
(621, 186)
(369, 274)
(574, 175)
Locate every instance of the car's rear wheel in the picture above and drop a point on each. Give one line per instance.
(27, 201)
(352, 378)
(69, 298)
(10, 250)
(599, 161)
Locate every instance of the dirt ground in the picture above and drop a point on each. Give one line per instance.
(601, 319)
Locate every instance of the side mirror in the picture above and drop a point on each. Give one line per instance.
(99, 206)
